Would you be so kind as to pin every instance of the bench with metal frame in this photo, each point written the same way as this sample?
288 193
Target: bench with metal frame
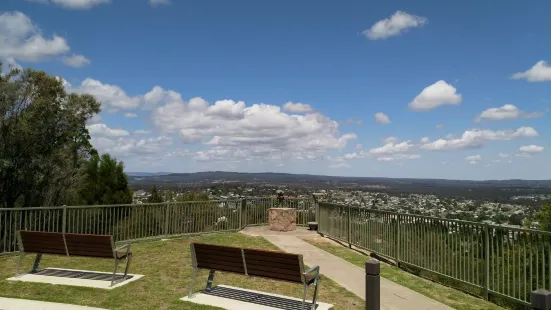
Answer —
84 245
259 263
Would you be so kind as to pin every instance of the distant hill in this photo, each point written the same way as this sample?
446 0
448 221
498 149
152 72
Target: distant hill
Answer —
270 177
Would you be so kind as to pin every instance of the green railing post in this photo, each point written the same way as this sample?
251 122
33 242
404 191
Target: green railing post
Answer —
486 261
242 208
349 227
167 219
397 244
64 220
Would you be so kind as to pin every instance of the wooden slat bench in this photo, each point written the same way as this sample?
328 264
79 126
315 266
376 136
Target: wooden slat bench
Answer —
86 245
259 263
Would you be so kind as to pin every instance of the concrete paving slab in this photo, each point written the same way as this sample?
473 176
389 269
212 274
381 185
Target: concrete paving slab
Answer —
24 304
75 277
234 298
347 275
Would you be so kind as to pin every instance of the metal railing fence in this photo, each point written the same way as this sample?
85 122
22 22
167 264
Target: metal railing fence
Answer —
494 260
146 221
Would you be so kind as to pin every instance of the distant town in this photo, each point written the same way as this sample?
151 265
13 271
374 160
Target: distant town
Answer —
516 209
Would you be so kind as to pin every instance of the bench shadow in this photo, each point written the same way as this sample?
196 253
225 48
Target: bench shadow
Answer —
257 298
77 274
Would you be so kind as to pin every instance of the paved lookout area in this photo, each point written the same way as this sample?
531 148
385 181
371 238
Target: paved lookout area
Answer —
24 304
347 275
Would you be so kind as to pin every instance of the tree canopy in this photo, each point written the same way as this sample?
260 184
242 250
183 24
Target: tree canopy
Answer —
46 157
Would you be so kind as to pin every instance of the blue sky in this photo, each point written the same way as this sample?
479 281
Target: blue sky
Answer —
427 89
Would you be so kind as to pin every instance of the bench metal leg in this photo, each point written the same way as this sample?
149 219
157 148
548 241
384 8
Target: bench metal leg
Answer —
128 261
304 297
192 284
36 263
114 272
19 262
315 299
210 280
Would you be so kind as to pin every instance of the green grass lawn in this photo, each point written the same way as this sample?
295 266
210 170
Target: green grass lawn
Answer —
446 295
167 269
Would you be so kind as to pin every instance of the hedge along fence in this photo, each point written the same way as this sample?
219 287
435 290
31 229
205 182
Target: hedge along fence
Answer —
498 262
147 221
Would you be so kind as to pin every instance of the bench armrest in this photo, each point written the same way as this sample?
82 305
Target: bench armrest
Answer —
122 247
316 270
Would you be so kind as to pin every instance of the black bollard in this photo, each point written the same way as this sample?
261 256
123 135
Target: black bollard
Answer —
372 285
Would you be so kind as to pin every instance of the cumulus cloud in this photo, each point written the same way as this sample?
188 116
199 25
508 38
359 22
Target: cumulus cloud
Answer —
104 131
76 61
475 138
130 115
382 118
21 39
297 107
128 146
398 157
425 140
474 158
352 121
390 140
339 165
540 72
505 112
392 148
73 4
531 148
142 132
397 24
233 130
434 96
112 97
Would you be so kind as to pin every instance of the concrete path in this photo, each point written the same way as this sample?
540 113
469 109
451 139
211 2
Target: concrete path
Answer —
24 304
349 276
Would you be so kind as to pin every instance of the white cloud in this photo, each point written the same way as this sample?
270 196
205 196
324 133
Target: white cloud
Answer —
159 2
73 4
234 130
392 148
94 120
473 162
339 165
130 115
20 39
425 140
142 132
101 130
382 118
359 147
112 97
531 148
390 140
127 147
352 121
478 137
440 126
474 158
297 107
398 157
398 23
505 112
435 95
76 61
540 72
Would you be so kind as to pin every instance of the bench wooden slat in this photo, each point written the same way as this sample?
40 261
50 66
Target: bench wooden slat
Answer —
219 257
43 242
274 275
89 245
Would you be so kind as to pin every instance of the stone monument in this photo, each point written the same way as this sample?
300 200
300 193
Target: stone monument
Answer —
282 219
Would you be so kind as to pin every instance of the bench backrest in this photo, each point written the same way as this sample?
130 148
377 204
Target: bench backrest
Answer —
42 242
217 257
268 264
274 265
67 244
89 245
